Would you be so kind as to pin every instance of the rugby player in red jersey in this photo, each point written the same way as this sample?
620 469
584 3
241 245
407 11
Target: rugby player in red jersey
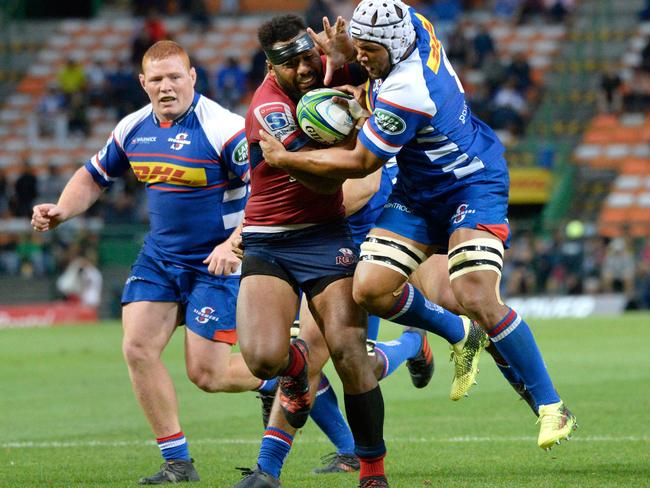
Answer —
296 238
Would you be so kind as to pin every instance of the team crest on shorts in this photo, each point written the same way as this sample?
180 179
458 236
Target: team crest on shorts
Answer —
347 257
205 314
461 212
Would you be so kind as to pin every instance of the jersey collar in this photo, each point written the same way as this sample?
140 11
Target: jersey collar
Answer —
179 119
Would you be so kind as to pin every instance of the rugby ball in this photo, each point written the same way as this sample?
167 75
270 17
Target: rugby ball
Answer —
321 119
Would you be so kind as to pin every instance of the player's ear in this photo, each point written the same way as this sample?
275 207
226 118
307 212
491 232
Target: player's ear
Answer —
142 81
193 75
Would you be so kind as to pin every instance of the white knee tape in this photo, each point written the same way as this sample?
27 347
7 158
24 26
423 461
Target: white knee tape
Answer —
392 253
475 255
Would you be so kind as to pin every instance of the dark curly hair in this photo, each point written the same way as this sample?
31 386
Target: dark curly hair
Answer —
280 28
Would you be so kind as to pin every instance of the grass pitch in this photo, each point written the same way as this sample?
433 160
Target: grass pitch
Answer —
68 417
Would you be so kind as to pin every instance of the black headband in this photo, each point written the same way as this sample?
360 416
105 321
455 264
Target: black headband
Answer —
282 54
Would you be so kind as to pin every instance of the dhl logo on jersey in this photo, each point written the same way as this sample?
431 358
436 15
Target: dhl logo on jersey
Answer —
161 172
434 55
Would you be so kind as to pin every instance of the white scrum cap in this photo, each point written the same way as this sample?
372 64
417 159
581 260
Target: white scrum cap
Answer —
386 22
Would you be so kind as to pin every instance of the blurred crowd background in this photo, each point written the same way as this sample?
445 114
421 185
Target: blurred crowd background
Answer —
566 83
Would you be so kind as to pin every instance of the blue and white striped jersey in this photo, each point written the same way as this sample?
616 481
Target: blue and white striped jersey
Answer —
420 115
196 174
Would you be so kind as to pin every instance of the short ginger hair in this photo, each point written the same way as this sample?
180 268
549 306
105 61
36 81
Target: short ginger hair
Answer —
163 50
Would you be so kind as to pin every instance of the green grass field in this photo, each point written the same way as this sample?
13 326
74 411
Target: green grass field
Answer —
68 417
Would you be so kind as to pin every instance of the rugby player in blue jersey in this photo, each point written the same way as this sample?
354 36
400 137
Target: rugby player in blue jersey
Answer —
192 156
451 194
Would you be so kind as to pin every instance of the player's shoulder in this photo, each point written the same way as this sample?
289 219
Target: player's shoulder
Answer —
272 110
130 122
405 87
211 113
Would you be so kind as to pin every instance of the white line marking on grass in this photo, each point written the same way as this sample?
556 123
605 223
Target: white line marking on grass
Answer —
396 440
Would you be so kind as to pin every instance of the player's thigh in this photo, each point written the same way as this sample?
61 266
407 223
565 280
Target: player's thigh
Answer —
266 308
342 321
311 333
475 262
204 355
387 264
432 279
148 326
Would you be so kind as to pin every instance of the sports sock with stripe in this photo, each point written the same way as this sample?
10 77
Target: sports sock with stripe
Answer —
174 447
414 310
515 342
396 352
275 447
328 416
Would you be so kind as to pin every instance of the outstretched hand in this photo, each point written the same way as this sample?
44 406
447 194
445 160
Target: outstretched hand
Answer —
335 43
272 149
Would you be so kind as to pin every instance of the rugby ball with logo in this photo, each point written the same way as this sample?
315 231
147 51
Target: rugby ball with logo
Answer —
323 120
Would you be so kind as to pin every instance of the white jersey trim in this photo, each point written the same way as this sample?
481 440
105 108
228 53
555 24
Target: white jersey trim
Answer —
273 229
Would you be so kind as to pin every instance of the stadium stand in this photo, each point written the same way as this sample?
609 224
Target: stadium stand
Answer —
592 165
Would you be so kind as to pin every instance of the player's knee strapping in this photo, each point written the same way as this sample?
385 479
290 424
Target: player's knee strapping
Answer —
475 255
392 253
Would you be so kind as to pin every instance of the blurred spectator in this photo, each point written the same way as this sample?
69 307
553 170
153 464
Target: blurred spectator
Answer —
506 9
644 13
483 45
139 46
643 275
619 268
519 69
645 56
258 69
202 85
458 50
230 83
96 84
229 7
78 123
9 260
52 184
559 10
4 194
25 191
610 95
530 10
72 77
155 27
316 10
33 255
511 108
81 282
636 92
494 72
50 120
199 15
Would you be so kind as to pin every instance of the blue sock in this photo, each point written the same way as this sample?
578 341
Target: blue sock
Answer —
373 327
174 447
267 386
275 447
413 310
396 352
329 418
514 340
